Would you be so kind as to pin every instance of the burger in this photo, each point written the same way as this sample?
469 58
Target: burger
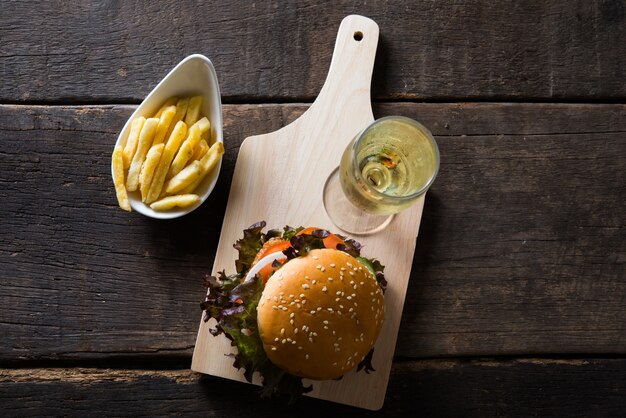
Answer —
303 303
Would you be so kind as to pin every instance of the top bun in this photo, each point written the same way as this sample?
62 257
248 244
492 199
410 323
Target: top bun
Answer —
319 315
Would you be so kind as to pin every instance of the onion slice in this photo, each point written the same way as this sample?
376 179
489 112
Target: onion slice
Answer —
264 262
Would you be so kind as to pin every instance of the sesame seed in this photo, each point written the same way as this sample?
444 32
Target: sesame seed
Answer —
329 310
335 363
305 286
351 273
350 310
313 311
295 331
355 269
282 331
337 299
325 326
283 308
343 269
336 344
319 308
349 297
351 281
319 266
332 264
311 339
291 296
325 322
274 349
267 298
304 301
276 339
324 289
306 356
330 279
291 321
314 334
314 281
275 298
283 341
298 305
341 306
349 264
292 303
300 347
354 287
274 307
362 283
315 257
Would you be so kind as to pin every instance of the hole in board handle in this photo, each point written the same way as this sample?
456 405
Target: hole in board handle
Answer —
358 35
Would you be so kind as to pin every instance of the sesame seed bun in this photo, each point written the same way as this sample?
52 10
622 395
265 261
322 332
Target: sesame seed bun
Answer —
319 315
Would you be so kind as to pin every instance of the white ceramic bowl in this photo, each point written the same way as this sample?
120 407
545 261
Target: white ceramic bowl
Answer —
193 76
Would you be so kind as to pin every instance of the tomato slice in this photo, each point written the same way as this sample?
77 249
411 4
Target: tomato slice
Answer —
266 271
331 241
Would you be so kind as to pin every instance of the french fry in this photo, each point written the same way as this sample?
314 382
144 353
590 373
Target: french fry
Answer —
145 141
193 112
164 124
131 141
187 176
148 168
181 200
187 148
172 145
117 161
206 136
181 111
169 102
200 150
208 163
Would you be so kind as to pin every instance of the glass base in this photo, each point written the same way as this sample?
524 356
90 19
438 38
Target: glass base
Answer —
345 215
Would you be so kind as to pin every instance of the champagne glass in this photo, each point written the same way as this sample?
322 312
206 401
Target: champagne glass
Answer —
384 170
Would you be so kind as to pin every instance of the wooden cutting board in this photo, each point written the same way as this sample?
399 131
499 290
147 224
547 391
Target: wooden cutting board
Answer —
279 177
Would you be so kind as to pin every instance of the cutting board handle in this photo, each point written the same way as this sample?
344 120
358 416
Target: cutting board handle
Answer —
347 86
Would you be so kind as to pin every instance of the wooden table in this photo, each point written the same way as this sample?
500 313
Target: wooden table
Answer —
517 299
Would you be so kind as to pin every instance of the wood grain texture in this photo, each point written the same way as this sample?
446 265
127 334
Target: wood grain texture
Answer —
433 388
91 52
522 247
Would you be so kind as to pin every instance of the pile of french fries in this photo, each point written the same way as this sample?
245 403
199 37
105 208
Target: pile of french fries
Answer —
166 156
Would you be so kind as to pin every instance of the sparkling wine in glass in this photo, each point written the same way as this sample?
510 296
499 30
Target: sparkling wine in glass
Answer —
383 170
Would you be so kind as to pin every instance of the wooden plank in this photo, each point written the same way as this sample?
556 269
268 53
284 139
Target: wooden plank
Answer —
434 388
522 247
117 51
